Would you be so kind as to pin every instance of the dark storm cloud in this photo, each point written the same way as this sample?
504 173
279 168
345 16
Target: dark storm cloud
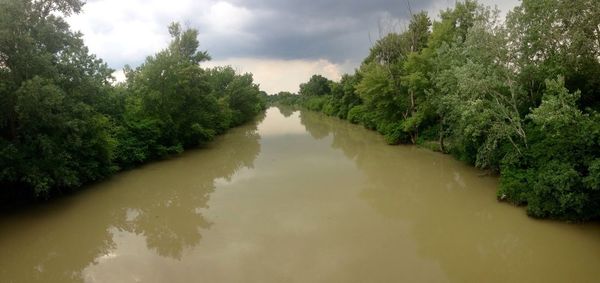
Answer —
337 30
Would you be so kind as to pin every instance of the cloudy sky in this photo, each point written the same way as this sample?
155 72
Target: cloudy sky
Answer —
281 42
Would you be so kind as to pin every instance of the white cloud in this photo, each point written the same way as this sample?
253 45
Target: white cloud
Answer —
224 17
119 76
275 75
125 32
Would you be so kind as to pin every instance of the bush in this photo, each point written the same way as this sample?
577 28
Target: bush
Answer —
315 103
355 115
331 108
393 132
557 193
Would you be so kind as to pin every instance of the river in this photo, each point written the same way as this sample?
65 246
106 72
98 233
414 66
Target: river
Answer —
294 197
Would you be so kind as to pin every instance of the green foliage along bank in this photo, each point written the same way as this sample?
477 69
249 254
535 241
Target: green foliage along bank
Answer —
64 124
520 96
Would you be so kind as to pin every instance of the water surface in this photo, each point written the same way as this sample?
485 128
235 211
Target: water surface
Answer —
294 197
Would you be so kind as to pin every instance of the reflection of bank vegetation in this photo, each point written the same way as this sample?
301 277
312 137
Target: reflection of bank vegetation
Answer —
448 208
147 203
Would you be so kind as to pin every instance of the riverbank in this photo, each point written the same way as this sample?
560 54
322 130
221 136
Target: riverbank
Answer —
21 198
294 192
433 145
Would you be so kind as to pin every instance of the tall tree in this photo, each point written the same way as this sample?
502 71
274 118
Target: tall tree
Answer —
558 37
316 86
51 135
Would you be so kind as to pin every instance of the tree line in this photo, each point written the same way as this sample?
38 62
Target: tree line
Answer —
519 96
65 123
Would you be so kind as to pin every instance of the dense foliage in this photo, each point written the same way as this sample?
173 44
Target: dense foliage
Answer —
64 124
519 96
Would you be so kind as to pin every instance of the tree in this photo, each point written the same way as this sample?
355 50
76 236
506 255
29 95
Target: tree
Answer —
344 96
53 137
173 95
239 92
418 31
558 37
558 175
316 86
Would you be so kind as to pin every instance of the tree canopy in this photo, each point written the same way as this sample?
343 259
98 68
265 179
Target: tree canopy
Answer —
64 124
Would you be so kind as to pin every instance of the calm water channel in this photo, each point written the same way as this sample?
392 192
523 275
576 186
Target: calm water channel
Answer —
294 197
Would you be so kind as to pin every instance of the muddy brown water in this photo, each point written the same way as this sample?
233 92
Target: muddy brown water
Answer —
294 197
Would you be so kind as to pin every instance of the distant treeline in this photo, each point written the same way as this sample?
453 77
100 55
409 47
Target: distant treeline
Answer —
519 96
63 124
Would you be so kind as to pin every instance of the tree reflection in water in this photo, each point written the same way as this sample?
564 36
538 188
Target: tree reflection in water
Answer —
160 203
454 217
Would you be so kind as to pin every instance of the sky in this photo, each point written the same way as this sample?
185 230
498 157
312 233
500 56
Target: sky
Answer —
282 42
